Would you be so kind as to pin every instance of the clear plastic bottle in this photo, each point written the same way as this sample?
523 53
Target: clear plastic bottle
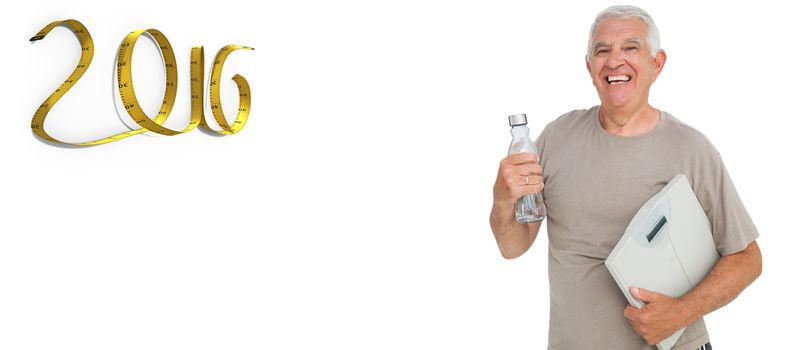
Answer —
529 208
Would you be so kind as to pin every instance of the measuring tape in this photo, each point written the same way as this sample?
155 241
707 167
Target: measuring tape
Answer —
129 98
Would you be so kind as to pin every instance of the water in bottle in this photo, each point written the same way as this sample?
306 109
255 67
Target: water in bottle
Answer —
529 208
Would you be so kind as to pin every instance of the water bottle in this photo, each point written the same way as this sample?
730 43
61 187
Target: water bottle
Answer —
529 208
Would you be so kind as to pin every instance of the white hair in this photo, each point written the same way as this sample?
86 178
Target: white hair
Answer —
625 12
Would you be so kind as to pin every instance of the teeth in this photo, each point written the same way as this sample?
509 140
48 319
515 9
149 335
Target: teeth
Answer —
618 79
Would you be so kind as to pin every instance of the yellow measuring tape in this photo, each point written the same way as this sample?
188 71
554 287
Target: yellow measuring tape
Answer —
129 98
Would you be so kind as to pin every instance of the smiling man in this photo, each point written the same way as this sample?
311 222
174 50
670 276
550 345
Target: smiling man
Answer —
596 169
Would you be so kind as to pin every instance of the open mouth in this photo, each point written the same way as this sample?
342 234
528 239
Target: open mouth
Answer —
618 79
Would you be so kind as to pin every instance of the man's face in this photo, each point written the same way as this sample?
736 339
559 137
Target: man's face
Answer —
620 64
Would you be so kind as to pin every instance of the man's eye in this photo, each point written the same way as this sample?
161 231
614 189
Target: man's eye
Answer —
602 51
631 48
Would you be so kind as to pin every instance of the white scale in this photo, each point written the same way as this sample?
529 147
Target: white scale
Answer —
667 247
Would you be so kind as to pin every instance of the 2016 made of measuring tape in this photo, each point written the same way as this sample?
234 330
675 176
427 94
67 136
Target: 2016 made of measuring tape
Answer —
129 98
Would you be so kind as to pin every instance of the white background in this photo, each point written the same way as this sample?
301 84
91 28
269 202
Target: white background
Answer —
351 212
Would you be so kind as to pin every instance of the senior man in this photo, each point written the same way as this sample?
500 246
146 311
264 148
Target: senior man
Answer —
596 169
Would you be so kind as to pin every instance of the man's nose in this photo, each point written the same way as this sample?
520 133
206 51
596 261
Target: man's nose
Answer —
615 59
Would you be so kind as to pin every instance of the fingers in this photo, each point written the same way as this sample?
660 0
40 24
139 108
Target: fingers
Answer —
522 158
532 179
531 189
635 291
644 295
528 169
518 175
637 318
630 313
641 322
658 319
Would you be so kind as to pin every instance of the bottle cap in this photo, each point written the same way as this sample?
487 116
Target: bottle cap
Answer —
518 119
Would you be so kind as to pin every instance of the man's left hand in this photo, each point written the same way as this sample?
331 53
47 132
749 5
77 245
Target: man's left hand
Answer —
659 318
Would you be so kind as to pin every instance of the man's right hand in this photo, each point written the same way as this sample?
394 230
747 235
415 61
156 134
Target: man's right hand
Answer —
518 175
513 238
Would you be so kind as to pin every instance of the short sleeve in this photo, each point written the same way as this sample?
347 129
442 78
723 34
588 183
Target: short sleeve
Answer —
732 227
540 143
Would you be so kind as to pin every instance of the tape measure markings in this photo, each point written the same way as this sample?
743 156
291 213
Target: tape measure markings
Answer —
244 95
126 86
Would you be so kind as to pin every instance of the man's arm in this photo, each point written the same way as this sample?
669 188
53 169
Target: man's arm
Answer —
513 238
730 276
663 315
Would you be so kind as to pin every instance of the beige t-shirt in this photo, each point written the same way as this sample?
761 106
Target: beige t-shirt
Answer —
594 184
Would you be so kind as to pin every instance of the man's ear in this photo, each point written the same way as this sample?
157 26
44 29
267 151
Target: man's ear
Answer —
588 65
659 62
